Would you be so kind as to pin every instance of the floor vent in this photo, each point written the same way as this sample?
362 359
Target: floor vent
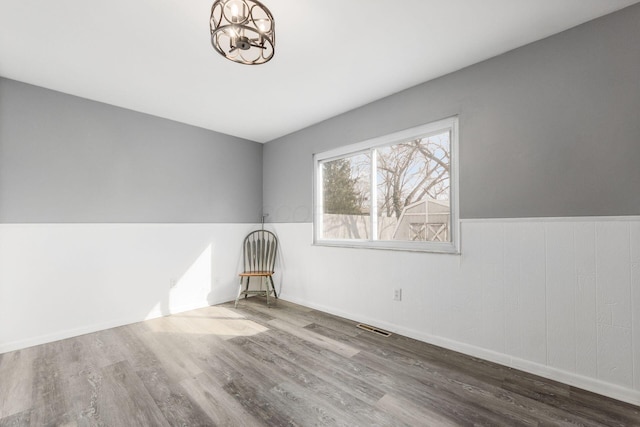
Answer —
373 329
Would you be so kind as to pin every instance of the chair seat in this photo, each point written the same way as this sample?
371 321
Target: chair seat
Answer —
256 273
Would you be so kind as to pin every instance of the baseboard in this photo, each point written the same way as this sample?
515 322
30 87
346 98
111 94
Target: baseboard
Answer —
586 383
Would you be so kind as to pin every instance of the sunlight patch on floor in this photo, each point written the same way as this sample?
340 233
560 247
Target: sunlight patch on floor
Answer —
219 321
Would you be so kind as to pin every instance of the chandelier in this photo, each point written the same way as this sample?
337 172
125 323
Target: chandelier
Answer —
242 31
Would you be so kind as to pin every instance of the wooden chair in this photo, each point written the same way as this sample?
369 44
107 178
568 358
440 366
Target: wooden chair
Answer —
259 258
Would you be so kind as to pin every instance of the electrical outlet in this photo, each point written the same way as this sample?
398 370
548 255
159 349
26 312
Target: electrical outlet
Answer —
173 282
397 294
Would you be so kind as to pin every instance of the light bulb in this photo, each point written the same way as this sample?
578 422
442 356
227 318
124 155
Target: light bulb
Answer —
237 10
262 25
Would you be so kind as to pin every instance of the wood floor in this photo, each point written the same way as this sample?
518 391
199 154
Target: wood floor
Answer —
283 366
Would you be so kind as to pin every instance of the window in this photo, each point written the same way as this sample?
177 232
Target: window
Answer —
398 191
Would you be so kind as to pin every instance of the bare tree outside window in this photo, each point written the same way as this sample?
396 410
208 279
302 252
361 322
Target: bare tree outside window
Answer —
409 175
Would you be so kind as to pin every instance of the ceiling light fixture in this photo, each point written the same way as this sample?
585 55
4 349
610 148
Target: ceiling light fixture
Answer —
242 31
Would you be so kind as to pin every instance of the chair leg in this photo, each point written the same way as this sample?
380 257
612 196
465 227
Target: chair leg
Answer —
246 287
239 293
273 287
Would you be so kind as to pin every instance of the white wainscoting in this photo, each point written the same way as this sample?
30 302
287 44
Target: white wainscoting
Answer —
556 297
63 280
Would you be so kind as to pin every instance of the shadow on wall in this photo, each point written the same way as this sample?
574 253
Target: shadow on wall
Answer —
200 278
210 279
204 275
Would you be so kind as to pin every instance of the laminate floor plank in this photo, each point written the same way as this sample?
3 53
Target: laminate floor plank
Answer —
221 408
173 360
596 407
16 381
410 414
351 338
311 409
103 347
442 400
325 394
300 405
260 302
316 339
16 420
341 372
289 312
339 324
253 393
80 363
50 393
259 316
280 312
411 352
124 400
172 399
283 365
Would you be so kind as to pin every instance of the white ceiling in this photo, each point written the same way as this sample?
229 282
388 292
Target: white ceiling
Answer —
155 56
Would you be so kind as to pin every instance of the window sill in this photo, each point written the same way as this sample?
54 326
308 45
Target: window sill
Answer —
447 249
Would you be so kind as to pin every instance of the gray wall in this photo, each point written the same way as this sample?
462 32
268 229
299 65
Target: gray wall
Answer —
68 159
549 129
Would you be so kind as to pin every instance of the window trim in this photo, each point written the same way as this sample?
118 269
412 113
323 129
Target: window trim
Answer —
422 131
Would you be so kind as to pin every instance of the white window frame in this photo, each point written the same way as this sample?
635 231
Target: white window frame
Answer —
453 247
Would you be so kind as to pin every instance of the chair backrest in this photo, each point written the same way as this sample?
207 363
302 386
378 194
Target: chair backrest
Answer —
259 251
